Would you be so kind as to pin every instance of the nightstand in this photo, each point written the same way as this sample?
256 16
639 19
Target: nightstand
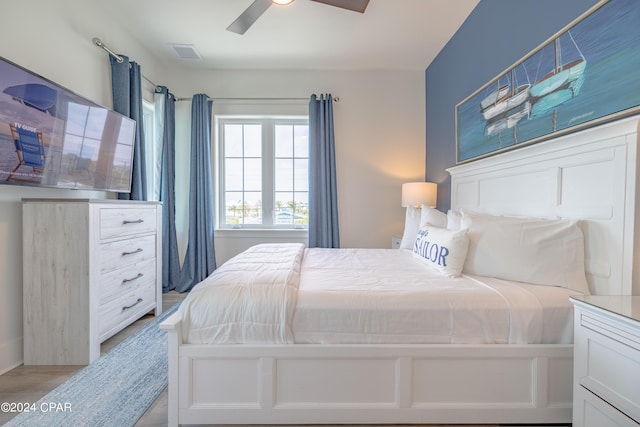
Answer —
606 374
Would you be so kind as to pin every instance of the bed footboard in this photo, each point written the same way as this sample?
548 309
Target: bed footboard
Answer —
174 340
367 384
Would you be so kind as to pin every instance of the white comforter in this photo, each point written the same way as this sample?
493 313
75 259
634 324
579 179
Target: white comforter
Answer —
285 294
250 299
386 296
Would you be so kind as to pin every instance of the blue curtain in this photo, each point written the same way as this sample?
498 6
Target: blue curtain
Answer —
200 259
323 196
126 86
170 257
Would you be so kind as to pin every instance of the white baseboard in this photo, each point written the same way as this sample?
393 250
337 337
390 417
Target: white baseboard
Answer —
10 355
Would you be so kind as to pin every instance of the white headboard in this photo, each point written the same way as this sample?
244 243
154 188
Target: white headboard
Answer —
589 175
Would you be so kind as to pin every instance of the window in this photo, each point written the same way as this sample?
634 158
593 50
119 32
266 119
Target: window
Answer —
264 172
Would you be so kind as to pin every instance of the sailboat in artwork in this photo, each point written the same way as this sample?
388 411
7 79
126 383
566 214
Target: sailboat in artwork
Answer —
561 84
516 97
507 111
510 103
493 97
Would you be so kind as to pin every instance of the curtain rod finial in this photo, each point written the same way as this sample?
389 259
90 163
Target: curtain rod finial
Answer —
101 45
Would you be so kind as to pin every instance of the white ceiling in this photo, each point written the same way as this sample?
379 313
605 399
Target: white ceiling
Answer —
391 34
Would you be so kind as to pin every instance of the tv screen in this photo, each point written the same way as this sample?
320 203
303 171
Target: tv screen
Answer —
49 136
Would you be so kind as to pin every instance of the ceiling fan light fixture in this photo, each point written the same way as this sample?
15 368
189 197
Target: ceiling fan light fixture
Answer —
282 2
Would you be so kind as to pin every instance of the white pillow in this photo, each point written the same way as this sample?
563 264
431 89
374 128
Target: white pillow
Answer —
453 219
416 217
539 251
411 226
442 249
432 216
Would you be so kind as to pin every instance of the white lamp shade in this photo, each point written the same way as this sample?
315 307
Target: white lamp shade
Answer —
417 194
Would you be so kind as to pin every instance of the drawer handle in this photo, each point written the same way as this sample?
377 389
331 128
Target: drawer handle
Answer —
137 221
127 307
132 252
132 279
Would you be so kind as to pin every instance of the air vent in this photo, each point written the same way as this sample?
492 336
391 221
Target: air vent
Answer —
185 51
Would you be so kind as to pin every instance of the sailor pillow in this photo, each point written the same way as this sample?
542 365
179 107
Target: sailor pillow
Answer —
442 249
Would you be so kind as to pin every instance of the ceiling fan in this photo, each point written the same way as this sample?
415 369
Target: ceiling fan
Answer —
258 7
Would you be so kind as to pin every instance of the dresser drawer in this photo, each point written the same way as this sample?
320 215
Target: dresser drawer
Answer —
611 367
125 308
121 222
123 253
591 411
123 280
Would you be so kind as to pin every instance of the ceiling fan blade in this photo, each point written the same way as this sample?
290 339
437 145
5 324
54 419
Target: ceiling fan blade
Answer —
249 16
355 5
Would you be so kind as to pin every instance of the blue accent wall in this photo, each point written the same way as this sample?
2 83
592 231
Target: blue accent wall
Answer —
496 34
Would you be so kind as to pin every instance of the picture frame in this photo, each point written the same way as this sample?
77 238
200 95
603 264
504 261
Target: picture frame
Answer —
584 75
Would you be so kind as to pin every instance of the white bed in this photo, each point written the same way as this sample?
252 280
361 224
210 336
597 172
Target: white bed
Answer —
371 378
366 296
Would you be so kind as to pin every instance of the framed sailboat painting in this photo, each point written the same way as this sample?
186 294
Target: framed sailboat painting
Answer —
586 74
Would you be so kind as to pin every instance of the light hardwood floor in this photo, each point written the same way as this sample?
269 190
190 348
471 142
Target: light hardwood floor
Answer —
30 383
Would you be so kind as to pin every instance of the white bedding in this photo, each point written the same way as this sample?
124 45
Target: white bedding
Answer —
250 299
391 296
285 294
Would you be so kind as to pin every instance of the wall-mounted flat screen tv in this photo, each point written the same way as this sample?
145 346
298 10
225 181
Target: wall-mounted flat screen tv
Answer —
51 137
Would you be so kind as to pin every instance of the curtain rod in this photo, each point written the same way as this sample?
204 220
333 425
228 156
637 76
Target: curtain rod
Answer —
147 79
101 45
118 58
335 99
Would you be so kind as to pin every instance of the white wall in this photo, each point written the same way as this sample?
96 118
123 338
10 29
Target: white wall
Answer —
379 130
55 43
380 127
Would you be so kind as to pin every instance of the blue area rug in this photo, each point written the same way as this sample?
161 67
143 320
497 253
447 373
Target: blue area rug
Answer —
114 390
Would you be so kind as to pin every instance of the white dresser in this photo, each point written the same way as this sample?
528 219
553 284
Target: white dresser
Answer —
606 361
90 268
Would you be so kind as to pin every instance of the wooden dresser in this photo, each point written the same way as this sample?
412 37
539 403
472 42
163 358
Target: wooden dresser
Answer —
606 361
90 268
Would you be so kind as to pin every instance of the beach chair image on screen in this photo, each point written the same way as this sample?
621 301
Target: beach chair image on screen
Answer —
29 148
